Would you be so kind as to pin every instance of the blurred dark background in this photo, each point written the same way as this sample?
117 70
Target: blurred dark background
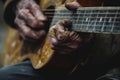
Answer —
3 27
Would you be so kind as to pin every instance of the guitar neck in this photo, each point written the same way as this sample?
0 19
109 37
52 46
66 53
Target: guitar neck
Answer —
91 19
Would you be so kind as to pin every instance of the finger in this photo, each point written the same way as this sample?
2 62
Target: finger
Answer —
72 5
52 37
22 4
61 28
75 36
22 36
25 29
63 50
36 11
59 32
73 45
40 33
65 47
65 23
59 51
40 36
29 18
53 42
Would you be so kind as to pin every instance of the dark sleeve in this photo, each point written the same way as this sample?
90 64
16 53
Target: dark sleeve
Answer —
111 2
3 0
9 12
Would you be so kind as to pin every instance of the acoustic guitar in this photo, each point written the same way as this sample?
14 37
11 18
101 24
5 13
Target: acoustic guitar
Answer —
85 19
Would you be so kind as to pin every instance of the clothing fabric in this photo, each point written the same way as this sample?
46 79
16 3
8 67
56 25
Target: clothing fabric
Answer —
25 71
21 71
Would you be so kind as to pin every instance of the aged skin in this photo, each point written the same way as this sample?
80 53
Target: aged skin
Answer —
29 17
63 41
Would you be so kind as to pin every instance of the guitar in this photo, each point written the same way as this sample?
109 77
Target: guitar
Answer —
86 19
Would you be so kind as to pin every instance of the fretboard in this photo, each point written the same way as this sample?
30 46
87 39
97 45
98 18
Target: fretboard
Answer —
91 19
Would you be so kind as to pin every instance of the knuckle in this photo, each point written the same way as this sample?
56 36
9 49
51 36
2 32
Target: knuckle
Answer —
52 47
20 12
33 24
16 20
52 29
42 32
23 12
54 43
36 6
60 37
41 24
26 32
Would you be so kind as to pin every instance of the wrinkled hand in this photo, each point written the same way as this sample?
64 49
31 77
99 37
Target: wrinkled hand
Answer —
30 20
64 41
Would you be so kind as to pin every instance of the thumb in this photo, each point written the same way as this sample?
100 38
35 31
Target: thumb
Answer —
72 5
62 28
63 25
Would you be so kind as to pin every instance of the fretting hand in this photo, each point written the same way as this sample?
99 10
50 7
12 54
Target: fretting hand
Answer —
63 41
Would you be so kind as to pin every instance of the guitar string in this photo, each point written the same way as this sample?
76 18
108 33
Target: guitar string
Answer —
114 22
106 26
85 13
83 20
86 8
111 19
78 25
59 17
93 14
110 9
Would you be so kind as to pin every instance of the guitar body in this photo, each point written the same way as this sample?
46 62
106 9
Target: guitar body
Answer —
13 45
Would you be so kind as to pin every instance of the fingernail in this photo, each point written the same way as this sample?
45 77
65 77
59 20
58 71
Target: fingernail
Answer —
35 36
54 41
42 18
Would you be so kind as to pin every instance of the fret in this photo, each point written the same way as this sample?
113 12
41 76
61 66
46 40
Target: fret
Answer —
82 19
78 21
103 29
87 19
74 14
79 30
118 16
91 19
116 26
117 21
95 23
65 14
109 21
91 24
